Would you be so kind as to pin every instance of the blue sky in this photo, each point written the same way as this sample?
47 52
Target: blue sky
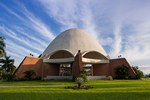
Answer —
122 27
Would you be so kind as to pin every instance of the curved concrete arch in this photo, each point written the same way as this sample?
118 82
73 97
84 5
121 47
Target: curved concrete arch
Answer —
49 56
92 51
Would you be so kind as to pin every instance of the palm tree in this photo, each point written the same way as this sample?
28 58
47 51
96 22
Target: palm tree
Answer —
6 62
11 68
2 46
1 71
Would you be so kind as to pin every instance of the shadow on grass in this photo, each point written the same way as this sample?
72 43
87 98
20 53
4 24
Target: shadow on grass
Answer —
75 96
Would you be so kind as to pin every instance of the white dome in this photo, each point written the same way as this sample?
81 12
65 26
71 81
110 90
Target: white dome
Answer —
73 40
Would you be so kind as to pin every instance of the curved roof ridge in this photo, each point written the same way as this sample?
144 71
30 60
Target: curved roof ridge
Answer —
73 40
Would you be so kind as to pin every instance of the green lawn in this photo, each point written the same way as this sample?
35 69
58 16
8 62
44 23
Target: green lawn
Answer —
103 90
33 83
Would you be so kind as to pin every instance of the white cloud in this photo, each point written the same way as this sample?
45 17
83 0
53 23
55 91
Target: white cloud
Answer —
19 50
38 25
22 40
12 12
145 69
32 22
71 14
21 31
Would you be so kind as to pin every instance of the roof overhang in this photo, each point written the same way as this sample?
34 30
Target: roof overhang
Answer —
94 61
58 61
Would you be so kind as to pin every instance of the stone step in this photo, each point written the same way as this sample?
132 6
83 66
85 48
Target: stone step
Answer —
70 77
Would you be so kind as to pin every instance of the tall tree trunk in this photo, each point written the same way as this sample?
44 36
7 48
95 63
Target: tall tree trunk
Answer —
5 70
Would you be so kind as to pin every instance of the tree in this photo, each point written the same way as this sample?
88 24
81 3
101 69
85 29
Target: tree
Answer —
2 46
29 74
6 62
84 75
139 73
1 71
11 68
121 71
79 81
85 72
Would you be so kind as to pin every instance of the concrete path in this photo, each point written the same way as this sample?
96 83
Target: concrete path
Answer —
146 79
34 85
1 80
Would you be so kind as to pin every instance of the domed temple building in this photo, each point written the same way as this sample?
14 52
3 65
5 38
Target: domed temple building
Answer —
69 54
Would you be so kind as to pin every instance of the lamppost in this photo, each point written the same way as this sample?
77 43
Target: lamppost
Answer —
119 56
31 55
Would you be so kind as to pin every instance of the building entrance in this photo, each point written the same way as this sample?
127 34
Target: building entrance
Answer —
65 70
88 68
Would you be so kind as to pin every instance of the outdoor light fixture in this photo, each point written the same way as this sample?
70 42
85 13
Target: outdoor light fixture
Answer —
31 54
119 56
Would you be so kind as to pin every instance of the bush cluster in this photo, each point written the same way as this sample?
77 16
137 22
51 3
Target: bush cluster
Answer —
139 73
79 81
83 75
28 76
121 72
26 79
8 77
110 78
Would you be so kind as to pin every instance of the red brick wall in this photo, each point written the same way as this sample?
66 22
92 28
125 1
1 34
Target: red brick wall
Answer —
36 64
50 70
29 63
119 62
45 69
108 69
101 70
77 65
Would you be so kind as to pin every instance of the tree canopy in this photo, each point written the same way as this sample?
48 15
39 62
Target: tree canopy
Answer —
7 64
2 46
139 73
121 71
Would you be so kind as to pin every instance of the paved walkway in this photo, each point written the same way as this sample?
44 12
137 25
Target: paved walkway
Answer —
1 80
146 79
34 85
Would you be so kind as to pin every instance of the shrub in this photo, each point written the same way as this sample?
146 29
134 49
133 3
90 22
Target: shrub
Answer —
23 79
79 81
74 78
85 72
8 77
4 76
43 79
131 77
84 77
126 77
139 73
38 78
121 71
19 79
29 74
110 78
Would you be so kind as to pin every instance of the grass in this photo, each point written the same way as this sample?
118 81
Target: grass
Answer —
34 83
103 90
